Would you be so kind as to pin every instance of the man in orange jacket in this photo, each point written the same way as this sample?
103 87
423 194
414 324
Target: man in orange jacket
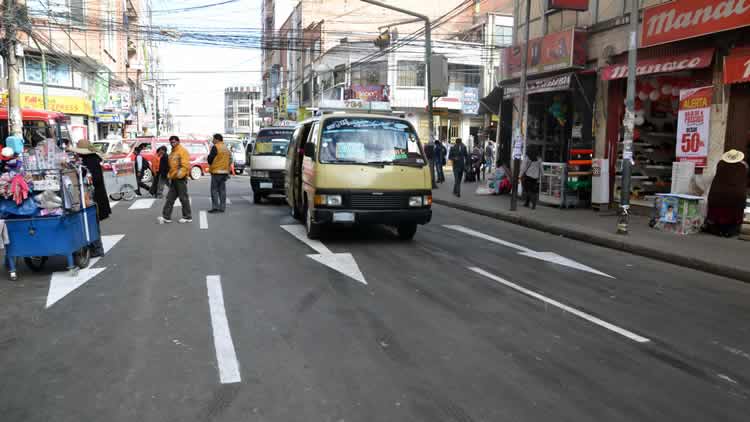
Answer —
179 170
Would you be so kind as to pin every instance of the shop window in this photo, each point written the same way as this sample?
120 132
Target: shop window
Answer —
58 72
460 76
411 73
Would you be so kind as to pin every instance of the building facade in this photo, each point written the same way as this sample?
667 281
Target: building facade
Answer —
96 59
240 114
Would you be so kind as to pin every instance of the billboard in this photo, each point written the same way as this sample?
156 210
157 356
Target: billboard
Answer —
561 50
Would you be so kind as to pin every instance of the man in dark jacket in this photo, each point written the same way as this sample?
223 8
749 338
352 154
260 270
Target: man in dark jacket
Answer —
429 152
460 158
440 153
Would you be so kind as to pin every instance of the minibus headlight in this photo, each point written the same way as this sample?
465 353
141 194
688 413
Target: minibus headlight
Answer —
328 200
416 201
259 173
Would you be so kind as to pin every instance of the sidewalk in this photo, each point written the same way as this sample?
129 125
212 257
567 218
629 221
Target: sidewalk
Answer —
703 252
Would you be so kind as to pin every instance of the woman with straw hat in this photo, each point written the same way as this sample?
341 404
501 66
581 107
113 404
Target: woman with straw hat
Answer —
92 161
728 195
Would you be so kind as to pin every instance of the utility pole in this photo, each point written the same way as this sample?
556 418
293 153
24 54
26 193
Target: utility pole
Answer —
628 123
427 56
252 112
15 121
521 112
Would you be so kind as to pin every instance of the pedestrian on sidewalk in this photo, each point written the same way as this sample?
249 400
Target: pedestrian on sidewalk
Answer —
459 157
179 169
727 197
489 154
220 161
160 169
476 163
429 152
141 165
531 171
440 153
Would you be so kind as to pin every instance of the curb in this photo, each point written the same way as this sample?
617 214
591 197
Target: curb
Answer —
608 242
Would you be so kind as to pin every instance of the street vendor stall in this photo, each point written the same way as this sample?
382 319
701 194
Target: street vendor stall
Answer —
46 208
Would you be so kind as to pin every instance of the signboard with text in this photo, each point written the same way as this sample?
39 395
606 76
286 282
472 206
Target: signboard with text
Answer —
470 103
693 60
737 66
59 103
561 50
368 93
679 20
693 121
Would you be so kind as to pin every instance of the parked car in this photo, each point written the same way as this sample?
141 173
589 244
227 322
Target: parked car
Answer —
110 145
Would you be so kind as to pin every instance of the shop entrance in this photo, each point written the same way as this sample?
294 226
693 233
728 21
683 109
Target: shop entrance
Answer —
738 121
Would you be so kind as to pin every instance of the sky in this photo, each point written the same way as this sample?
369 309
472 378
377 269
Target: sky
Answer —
198 98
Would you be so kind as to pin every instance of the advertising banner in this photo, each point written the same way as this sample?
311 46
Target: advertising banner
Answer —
378 93
679 20
737 66
470 100
693 121
561 50
59 103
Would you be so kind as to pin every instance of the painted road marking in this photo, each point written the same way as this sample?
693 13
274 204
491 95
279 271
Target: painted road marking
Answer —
203 220
226 357
178 204
229 201
113 204
576 312
341 262
142 204
543 256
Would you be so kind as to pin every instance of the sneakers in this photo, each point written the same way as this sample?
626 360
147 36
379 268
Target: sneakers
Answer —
185 220
214 211
162 220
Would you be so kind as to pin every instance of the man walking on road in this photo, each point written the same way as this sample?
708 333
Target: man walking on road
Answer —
179 169
220 160
460 158
429 152
440 153
141 165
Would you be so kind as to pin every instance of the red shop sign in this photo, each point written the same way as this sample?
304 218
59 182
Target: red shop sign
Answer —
561 50
696 60
683 19
581 5
737 66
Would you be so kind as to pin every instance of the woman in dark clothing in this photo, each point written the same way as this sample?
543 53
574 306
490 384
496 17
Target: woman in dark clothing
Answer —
727 197
92 161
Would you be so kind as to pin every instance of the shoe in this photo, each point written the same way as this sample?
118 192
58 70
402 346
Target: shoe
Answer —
220 211
212 211
162 220
185 220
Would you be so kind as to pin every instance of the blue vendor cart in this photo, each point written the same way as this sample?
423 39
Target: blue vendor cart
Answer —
35 239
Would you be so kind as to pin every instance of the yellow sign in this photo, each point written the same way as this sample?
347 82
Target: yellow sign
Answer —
60 103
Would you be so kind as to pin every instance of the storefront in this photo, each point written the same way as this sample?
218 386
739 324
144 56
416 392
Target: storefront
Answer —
737 77
661 80
77 108
559 115
109 125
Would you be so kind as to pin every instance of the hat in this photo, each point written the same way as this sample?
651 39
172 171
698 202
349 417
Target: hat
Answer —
84 147
6 154
733 156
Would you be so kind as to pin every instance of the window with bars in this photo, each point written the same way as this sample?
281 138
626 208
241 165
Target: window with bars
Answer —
460 76
411 73
370 74
71 12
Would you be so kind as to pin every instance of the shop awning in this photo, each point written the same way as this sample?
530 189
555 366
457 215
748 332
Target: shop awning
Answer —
491 103
538 86
694 60
737 66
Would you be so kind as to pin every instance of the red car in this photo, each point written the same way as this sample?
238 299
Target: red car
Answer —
198 150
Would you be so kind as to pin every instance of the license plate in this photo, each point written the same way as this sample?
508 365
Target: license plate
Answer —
266 185
343 217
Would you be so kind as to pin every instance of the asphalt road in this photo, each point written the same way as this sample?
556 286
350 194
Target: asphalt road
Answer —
235 322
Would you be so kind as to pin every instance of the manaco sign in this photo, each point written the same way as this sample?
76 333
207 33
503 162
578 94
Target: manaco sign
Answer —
695 60
683 19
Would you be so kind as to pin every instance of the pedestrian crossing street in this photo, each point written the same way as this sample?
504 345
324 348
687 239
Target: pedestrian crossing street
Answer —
148 203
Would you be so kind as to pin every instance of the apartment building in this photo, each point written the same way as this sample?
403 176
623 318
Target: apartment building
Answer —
96 59
240 114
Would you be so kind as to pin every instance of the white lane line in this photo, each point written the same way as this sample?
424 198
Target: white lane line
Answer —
487 237
203 220
229 367
142 204
113 204
298 231
566 308
229 201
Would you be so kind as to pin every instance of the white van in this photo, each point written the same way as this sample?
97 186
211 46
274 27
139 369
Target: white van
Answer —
268 162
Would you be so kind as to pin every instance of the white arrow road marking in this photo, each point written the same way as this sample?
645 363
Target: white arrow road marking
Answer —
229 367
113 204
203 220
178 204
544 256
142 204
566 308
64 282
341 262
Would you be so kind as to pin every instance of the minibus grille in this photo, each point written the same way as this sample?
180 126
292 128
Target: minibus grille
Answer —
385 201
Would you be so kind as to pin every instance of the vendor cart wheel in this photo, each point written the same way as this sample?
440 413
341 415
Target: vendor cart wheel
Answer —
82 257
115 196
35 263
127 192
